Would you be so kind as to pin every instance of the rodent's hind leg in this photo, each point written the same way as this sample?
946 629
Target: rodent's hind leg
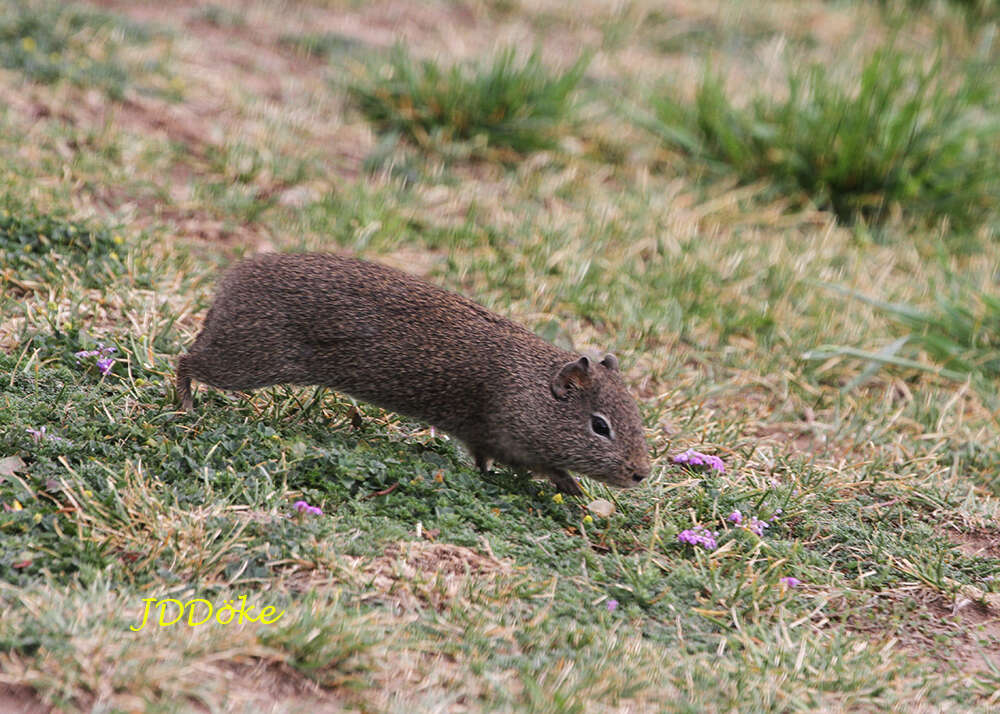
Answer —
183 384
483 462
565 483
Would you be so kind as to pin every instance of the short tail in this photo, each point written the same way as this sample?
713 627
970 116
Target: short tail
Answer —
183 383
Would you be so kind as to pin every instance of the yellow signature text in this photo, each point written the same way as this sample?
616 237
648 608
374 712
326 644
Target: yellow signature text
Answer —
201 608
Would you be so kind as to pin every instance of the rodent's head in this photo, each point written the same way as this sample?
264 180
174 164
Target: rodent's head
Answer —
602 436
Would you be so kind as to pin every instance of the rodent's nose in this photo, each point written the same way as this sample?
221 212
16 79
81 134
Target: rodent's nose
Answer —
639 471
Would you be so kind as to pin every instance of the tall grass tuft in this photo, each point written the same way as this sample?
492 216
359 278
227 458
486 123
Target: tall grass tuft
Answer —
506 103
322 45
906 135
974 9
960 334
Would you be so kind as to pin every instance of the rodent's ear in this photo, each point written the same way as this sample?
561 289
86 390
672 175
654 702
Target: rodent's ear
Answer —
610 361
571 375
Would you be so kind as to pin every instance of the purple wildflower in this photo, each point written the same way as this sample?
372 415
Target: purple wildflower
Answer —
776 515
790 582
303 507
38 435
612 605
757 526
696 458
751 523
699 535
103 354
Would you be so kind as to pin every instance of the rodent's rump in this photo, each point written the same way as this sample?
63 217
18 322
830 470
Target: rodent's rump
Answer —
394 340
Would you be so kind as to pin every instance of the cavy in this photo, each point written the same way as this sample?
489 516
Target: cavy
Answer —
391 339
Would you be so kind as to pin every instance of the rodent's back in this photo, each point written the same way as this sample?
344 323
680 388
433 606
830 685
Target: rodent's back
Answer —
376 333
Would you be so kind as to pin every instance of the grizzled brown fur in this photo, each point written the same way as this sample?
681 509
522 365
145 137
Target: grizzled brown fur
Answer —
388 338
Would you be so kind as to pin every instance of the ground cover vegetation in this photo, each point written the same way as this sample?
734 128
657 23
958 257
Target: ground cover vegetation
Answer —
507 103
781 216
900 135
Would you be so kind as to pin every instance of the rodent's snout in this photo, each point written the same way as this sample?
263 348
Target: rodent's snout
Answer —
632 475
638 472
629 475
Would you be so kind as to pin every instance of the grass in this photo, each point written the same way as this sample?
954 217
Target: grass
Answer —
219 16
50 42
41 249
424 585
907 136
506 103
960 334
322 45
974 9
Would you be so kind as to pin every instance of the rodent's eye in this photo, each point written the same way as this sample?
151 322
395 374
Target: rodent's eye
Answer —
600 426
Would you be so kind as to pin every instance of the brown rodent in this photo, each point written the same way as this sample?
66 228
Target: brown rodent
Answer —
391 339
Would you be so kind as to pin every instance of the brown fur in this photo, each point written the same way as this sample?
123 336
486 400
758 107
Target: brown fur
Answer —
391 339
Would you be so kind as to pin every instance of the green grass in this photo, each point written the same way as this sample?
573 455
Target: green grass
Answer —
219 16
424 585
42 249
506 103
155 501
960 334
981 10
904 135
322 45
50 42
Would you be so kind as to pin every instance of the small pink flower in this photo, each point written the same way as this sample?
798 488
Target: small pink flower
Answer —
38 435
303 507
612 605
789 581
104 364
757 527
699 535
103 354
751 523
696 458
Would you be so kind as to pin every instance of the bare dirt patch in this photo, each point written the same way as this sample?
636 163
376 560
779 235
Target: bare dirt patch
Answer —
978 645
962 633
410 575
799 436
980 544
225 66
961 630
21 700
415 574
265 687
239 86
416 262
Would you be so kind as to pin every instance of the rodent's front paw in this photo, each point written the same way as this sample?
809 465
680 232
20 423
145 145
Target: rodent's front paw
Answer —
566 483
